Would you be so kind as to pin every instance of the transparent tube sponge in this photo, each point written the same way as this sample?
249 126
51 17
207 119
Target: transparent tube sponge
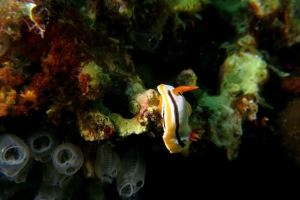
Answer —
142 41
52 177
14 155
74 184
107 162
132 174
42 144
134 197
22 175
48 192
67 159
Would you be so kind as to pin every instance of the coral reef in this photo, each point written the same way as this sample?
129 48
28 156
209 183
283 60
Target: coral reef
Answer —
92 80
13 12
264 8
95 126
79 104
242 74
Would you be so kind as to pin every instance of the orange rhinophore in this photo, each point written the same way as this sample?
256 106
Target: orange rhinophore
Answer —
175 111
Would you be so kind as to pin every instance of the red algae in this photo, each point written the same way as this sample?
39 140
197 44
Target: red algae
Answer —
83 80
7 78
108 131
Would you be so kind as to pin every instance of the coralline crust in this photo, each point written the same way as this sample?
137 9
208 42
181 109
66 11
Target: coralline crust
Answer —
95 126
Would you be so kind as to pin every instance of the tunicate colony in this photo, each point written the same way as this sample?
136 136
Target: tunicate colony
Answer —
60 162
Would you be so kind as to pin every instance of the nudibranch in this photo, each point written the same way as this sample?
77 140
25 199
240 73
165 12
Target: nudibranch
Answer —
175 112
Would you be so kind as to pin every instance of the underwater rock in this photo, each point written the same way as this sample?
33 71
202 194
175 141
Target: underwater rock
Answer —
100 122
148 101
187 78
227 129
125 127
134 87
223 126
36 16
92 80
291 27
243 71
120 8
95 126
247 107
192 6
8 78
273 16
148 114
236 13
13 100
242 74
8 99
264 8
82 59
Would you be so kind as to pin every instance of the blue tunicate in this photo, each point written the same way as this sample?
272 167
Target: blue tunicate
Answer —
74 184
107 162
42 144
14 155
52 177
48 192
67 159
132 174
22 174
141 41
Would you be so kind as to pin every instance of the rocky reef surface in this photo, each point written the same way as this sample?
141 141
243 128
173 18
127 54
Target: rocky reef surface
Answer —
80 114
